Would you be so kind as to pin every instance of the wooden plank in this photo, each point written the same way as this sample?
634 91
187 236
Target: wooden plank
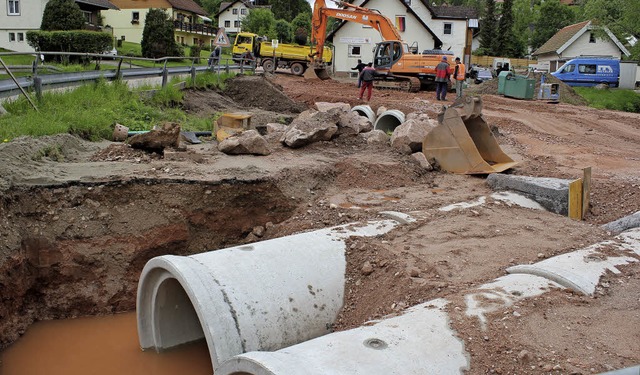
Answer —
586 190
575 199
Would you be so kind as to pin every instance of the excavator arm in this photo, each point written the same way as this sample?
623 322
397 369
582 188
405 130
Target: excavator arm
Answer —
352 13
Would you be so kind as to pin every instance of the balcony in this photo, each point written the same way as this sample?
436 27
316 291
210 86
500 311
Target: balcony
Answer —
194 28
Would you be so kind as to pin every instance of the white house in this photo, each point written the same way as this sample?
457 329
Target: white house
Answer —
575 40
231 14
421 25
20 16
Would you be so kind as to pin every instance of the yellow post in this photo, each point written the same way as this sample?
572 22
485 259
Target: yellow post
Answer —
575 199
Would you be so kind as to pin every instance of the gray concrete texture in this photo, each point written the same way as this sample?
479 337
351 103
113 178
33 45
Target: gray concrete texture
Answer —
551 193
622 224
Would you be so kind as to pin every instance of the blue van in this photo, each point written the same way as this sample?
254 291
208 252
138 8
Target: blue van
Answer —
589 71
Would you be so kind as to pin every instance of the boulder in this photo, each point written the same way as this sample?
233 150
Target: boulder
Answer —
310 127
422 160
376 137
158 139
352 123
326 106
381 110
409 136
247 142
275 127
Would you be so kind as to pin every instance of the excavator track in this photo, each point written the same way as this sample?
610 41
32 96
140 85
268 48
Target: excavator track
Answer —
402 83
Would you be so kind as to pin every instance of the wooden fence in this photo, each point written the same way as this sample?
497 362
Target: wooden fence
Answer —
487 61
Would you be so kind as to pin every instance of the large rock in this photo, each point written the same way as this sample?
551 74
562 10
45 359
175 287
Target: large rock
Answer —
276 127
376 137
409 136
158 139
422 161
311 127
352 123
247 142
326 106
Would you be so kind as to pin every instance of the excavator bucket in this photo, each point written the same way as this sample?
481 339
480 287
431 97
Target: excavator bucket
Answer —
463 143
317 71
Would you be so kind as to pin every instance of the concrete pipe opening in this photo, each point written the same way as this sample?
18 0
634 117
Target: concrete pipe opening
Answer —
366 111
389 121
176 318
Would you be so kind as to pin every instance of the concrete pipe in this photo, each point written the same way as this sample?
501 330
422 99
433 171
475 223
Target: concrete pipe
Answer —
366 111
416 342
257 297
389 120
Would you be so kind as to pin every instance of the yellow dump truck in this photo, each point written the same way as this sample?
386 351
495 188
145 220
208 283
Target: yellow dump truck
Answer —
287 56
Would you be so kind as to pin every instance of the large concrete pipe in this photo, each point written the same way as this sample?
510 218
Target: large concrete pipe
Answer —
389 120
417 342
262 296
366 111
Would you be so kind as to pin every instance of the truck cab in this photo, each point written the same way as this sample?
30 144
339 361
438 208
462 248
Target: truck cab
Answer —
244 43
589 72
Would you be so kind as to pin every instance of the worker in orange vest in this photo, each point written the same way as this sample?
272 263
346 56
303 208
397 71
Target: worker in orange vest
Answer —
459 73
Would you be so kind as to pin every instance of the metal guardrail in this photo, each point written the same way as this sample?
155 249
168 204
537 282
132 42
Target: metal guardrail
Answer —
37 82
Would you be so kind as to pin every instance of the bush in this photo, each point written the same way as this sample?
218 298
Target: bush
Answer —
70 41
62 15
158 39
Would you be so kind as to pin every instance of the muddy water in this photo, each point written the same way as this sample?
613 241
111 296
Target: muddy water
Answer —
97 346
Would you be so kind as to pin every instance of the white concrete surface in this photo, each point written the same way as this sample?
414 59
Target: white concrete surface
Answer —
416 342
261 296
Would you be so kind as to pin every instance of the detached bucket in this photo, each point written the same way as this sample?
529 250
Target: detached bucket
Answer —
389 120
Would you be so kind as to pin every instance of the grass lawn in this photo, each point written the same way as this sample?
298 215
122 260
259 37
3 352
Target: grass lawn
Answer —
616 99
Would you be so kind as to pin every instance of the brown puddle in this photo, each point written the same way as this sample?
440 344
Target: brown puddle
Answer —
97 346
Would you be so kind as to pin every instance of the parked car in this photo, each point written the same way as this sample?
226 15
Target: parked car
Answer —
482 75
589 72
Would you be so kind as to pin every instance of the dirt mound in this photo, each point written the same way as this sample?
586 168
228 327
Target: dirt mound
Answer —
259 92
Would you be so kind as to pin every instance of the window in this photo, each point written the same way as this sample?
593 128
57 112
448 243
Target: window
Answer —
567 68
592 38
448 28
20 37
236 24
400 23
243 11
135 17
234 11
87 16
12 37
14 8
587 68
227 23
354 51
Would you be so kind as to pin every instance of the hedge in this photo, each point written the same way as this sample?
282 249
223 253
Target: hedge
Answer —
70 41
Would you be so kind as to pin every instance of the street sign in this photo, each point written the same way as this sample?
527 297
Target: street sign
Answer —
274 43
221 39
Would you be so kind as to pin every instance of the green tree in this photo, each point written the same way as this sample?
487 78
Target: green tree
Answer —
552 17
62 15
261 22
488 29
506 42
158 39
619 16
301 26
523 17
283 31
289 9
211 6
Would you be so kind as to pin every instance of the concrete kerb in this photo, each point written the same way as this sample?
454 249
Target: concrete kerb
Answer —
234 299
551 193
622 224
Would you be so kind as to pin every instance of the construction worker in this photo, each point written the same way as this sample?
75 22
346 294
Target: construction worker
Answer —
367 75
359 68
458 76
443 72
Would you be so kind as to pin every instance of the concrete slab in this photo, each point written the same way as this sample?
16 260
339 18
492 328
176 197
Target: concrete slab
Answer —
551 193
622 224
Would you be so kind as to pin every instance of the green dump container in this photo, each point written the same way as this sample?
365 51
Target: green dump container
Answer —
502 80
519 87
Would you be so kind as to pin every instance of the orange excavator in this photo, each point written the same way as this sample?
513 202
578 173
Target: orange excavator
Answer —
395 66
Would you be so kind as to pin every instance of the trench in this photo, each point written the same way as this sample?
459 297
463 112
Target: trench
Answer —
77 250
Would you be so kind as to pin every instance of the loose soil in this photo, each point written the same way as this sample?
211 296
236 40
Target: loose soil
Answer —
79 220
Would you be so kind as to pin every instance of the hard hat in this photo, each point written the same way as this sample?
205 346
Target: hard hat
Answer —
444 58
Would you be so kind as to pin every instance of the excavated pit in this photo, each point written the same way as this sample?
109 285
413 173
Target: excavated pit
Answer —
82 247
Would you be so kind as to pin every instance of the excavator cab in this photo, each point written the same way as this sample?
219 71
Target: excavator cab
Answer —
387 53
